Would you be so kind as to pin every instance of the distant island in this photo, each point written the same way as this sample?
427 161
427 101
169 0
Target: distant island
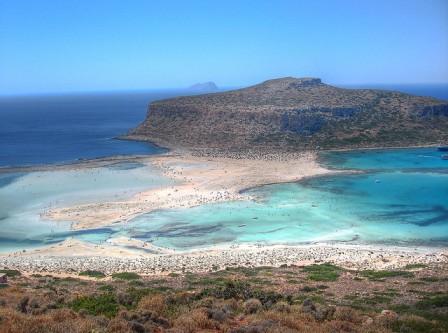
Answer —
293 114
204 87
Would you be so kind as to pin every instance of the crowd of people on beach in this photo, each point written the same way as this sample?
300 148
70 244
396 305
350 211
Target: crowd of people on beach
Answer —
250 154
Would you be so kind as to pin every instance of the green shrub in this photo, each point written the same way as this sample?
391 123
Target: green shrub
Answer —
230 289
378 275
94 274
107 287
433 302
414 324
307 289
126 276
136 294
323 272
414 266
241 290
10 272
105 304
136 283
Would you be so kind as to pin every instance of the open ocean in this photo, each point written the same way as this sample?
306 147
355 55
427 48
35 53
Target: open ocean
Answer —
38 130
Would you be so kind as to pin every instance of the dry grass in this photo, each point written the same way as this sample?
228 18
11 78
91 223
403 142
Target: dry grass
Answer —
194 321
58 321
154 303
243 305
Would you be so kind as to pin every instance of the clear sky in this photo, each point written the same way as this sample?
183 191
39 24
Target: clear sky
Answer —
88 45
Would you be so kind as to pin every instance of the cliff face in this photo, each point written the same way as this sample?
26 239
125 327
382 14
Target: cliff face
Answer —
292 113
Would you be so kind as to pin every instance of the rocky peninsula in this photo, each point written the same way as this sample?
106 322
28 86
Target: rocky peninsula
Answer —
295 114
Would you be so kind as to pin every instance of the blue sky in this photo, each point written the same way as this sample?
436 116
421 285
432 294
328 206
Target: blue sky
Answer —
89 45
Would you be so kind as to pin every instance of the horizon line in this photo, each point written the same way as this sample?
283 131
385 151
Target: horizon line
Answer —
188 89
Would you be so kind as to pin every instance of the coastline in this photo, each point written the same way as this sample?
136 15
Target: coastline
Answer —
78 164
106 160
109 258
200 180
430 145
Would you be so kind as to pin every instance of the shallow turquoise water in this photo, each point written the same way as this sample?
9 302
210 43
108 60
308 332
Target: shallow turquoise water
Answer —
401 198
370 208
24 196
385 159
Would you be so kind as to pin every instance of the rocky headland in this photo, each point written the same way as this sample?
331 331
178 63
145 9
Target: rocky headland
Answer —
295 114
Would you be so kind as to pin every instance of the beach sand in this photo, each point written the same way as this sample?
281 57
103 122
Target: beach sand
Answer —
199 180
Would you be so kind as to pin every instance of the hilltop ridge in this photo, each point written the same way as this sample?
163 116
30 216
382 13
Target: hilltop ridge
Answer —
293 114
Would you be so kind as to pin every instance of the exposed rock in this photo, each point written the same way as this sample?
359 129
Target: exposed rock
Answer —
137 327
292 114
282 307
218 314
367 321
308 306
389 314
319 312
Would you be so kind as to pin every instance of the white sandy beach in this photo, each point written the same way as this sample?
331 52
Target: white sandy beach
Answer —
199 179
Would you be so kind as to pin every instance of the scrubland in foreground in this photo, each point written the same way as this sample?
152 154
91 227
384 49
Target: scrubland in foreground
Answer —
316 298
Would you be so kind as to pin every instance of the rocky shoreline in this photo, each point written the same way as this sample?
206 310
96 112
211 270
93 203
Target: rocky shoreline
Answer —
348 256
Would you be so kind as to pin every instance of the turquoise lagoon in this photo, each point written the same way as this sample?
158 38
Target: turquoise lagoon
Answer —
386 159
24 196
406 208
400 198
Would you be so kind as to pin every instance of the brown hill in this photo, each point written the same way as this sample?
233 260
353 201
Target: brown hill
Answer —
291 113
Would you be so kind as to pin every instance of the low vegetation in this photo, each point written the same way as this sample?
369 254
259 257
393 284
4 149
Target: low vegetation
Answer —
379 275
321 298
415 266
126 276
93 274
10 272
105 304
324 272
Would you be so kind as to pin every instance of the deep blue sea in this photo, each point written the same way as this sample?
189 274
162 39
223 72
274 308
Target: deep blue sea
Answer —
64 128
437 90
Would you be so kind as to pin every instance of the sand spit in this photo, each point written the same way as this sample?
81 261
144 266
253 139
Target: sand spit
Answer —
200 179
74 256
